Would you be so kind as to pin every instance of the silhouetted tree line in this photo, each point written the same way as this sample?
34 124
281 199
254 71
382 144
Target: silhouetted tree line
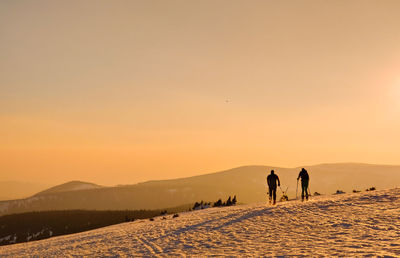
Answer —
201 205
228 202
24 227
219 203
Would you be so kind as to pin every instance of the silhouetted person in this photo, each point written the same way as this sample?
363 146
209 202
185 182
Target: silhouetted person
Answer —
304 183
271 180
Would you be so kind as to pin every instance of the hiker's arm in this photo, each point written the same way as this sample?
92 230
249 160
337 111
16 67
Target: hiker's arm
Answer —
279 182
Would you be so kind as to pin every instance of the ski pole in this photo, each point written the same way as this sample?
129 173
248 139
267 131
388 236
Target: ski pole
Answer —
297 186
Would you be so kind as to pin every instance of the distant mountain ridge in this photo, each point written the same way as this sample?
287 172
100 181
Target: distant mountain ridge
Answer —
248 183
69 186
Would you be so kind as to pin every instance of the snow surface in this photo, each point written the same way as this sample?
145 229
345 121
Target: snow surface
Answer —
346 225
83 186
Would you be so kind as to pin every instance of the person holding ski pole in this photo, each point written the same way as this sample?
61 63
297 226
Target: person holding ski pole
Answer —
271 180
304 183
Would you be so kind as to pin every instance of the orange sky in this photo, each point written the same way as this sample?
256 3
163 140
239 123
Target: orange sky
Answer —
125 91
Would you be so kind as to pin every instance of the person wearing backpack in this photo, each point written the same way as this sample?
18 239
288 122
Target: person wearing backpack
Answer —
305 179
271 180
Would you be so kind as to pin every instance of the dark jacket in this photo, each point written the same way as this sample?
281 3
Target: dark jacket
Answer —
271 180
303 175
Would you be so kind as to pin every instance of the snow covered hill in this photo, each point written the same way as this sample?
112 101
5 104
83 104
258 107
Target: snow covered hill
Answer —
357 224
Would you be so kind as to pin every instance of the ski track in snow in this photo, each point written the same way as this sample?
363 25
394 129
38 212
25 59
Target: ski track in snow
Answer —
362 224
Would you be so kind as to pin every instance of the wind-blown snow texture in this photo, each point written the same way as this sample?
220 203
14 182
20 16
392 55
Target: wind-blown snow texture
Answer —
349 224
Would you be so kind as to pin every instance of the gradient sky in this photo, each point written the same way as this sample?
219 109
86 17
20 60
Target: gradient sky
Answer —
117 92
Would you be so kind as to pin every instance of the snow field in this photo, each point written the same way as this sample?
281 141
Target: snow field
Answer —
360 224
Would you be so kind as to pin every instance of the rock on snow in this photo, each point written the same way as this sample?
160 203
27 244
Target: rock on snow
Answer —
350 225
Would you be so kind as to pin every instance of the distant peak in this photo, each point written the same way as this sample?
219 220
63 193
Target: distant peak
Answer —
73 185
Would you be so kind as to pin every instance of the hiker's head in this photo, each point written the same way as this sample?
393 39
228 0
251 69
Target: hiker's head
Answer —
304 170
272 172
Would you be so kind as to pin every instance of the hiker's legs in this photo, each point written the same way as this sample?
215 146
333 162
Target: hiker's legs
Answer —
304 189
270 194
274 192
307 191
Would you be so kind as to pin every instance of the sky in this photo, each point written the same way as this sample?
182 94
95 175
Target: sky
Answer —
119 92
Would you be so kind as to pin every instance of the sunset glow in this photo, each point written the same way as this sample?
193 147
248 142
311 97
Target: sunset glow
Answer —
137 91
